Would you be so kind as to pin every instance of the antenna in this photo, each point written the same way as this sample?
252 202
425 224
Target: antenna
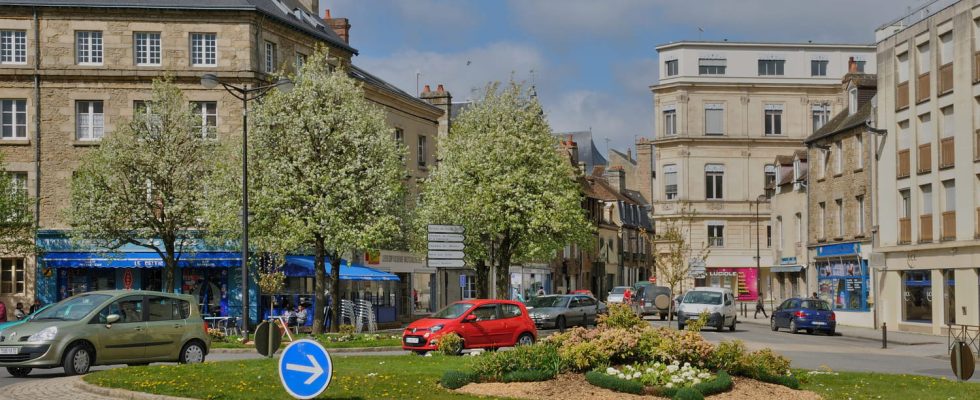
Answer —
700 31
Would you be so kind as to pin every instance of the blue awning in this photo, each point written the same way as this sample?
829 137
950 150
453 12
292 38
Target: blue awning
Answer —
302 266
138 260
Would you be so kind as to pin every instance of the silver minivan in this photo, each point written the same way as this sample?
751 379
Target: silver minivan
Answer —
718 302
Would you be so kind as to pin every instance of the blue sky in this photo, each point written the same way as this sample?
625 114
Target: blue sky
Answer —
592 60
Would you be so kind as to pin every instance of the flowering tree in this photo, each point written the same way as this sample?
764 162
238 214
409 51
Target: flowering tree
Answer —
324 172
501 177
673 252
16 218
141 185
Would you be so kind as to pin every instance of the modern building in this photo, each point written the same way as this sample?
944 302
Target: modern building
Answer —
788 274
928 194
724 111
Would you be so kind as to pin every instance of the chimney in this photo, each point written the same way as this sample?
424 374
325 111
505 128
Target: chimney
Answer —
616 178
442 99
852 66
340 26
629 154
572 149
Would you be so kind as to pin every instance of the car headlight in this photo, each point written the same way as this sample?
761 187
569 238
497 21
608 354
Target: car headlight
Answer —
435 329
44 335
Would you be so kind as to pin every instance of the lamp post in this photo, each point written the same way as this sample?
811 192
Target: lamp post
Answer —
758 245
245 94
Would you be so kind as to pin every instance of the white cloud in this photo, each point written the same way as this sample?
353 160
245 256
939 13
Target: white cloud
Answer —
637 75
447 15
620 118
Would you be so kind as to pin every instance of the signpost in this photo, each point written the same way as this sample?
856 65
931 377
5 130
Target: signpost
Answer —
962 361
267 338
446 247
305 369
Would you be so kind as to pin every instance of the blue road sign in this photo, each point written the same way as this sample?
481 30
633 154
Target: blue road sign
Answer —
305 369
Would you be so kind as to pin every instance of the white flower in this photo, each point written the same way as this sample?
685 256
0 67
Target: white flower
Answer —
696 381
704 375
621 376
372 374
637 375
675 363
650 370
611 371
669 385
672 368
687 365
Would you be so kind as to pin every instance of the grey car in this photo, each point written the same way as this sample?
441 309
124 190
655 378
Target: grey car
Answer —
562 311
652 300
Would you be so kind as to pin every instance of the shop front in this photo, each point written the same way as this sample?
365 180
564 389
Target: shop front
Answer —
416 291
787 280
743 281
526 280
843 282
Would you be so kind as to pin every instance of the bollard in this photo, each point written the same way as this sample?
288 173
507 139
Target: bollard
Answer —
884 335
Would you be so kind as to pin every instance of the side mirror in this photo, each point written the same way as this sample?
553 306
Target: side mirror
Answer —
111 319
470 318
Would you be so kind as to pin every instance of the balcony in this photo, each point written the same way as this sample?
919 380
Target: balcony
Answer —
925 228
922 88
902 96
946 78
949 225
903 162
904 231
946 156
924 159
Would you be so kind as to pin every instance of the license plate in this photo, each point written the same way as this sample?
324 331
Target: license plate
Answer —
819 323
412 340
9 350
649 304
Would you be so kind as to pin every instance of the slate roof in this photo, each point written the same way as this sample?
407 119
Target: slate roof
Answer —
366 77
587 152
842 122
266 7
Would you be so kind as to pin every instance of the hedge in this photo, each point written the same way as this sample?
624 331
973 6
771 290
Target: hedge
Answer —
688 393
606 381
721 383
456 379
533 375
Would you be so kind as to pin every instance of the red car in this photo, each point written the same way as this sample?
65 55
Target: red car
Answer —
488 324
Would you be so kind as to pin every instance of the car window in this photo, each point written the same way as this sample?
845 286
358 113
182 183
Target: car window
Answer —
794 304
587 302
702 297
486 313
182 310
618 290
72 308
819 305
159 308
129 309
575 303
510 311
784 305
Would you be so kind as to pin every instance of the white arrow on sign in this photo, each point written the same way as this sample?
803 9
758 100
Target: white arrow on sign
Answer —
446 246
315 370
446 237
452 255
446 263
446 229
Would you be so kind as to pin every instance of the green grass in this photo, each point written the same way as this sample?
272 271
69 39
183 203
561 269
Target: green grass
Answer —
360 377
328 340
866 385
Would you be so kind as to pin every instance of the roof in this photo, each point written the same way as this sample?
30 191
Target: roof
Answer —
587 152
709 43
310 24
800 155
784 160
366 77
842 122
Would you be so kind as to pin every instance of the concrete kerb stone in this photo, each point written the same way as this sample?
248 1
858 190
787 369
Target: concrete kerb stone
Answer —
335 350
112 393
902 338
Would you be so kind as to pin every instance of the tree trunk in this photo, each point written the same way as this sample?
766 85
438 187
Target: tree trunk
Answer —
335 292
169 266
482 280
503 267
320 292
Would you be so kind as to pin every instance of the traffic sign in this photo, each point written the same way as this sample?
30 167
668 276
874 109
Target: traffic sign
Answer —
268 338
446 229
305 369
446 246
449 255
446 237
445 263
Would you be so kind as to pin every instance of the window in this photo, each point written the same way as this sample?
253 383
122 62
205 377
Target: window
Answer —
13 119
204 49
949 284
923 61
859 65
671 67
860 216
714 119
799 227
859 150
823 219
714 176
852 101
843 283
820 114
12 276
670 122
770 179
161 309
509 311
89 119
917 287
818 67
13 47
949 125
300 61
774 119
147 48
716 235
903 67
779 233
208 111
129 309
270 57
469 287
421 151
946 49
925 128
926 191
839 157
768 236
906 204
670 182
840 217
400 135
88 47
949 195
825 161
711 66
771 67
18 183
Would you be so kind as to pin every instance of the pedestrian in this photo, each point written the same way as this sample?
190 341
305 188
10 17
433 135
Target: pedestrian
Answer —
760 306
36 305
19 311
3 312
814 295
541 291
626 296
301 315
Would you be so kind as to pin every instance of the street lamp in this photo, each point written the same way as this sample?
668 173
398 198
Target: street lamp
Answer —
758 245
245 94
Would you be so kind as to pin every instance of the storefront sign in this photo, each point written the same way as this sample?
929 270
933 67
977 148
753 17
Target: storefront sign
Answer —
742 281
787 261
841 249
128 279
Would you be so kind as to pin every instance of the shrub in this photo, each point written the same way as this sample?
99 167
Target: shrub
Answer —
682 346
688 394
621 316
537 357
528 376
728 355
606 381
456 379
450 344
721 383
583 356
216 335
698 324
347 329
763 362
789 381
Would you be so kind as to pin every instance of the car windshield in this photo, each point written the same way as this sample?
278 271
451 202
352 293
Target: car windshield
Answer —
73 308
618 290
548 301
452 311
702 298
818 305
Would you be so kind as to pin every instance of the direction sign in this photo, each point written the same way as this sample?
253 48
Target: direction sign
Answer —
268 338
445 263
446 229
449 255
305 369
446 237
446 246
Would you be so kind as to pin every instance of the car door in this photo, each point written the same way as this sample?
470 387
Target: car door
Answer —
790 311
780 314
729 308
164 330
589 307
510 323
124 340
479 332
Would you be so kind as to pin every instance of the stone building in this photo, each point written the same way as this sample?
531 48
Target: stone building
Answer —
788 275
928 194
724 111
839 204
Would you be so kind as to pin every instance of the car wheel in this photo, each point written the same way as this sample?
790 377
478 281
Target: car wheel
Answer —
809 331
732 327
680 326
560 323
77 360
420 352
526 339
792 327
19 372
772 324
192 353
832 332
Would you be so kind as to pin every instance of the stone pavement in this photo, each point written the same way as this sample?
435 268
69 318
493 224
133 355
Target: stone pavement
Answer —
71 387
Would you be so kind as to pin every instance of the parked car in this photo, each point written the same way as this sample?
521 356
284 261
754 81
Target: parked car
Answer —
616 294
11 324
806 314
718 302
488 324
586 292
107 327
652 300
562 311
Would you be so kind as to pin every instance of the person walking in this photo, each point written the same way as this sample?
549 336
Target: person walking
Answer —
36 305
760 306
19 311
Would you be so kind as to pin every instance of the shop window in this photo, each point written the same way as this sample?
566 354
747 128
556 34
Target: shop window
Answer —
949 296
422 292
917 296
151 279
843 283
469 289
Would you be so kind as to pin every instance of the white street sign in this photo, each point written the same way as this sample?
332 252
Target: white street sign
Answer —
451 255
446 246
446 229
446 237
445 263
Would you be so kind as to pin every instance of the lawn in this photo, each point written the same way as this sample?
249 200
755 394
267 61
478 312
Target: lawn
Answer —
374 377
329 340
866 385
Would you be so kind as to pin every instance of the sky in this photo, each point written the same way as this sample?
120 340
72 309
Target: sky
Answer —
592 62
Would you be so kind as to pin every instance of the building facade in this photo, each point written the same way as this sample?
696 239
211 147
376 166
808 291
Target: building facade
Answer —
928 192
788 274
724 111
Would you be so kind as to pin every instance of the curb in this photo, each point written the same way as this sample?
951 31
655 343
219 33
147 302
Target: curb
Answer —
83 386
334 350
926 339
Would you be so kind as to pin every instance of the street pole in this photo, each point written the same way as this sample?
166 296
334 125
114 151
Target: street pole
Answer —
758 246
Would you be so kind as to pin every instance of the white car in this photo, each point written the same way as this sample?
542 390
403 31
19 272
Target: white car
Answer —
616 295
718 302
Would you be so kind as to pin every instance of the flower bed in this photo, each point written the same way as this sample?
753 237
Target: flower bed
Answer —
668 380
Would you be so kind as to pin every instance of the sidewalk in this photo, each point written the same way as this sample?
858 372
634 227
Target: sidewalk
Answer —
74 388
904 338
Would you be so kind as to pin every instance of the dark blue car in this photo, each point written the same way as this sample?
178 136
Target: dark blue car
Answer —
804 314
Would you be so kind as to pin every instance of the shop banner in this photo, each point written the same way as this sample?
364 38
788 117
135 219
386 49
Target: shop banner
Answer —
742 281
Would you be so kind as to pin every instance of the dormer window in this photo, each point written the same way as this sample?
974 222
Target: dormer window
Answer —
852 100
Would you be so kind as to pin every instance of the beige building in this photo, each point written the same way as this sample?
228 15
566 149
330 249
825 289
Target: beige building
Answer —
724 111
788 275
928 194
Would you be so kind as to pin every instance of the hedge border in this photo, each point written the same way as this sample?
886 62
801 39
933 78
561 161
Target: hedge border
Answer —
455 379
722 383
606 381
527 375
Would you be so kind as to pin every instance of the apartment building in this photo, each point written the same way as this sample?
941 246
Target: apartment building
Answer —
788 274
724 111
928 194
